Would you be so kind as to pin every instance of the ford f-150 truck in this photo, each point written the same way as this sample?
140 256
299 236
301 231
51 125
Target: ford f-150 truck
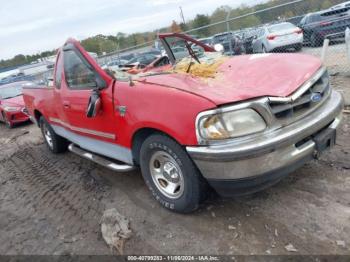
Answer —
192 123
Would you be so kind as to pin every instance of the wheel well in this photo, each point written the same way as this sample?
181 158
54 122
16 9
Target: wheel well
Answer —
139 137
37 116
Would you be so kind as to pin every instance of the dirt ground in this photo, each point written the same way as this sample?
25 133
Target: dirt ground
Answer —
52 204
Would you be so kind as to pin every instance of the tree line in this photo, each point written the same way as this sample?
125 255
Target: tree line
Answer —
101 44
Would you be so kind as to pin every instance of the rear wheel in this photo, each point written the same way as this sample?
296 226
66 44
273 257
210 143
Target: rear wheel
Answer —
170 174
55 143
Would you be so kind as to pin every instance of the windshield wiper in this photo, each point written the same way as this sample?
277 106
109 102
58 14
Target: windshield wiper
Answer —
192 53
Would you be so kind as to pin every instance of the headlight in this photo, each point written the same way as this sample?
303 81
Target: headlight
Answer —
12 108
230 124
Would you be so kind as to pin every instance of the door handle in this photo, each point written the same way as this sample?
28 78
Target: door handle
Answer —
66 104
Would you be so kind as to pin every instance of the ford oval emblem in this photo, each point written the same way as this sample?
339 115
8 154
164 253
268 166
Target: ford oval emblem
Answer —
316 97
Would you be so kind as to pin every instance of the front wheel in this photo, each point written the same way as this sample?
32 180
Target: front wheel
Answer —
55 143
170 174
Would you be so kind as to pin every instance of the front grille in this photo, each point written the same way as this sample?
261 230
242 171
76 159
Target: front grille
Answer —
304 104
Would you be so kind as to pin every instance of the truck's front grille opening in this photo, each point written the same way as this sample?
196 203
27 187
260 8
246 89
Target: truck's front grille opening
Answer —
316 94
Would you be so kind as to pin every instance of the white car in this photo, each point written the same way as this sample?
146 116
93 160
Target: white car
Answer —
277 37
342 5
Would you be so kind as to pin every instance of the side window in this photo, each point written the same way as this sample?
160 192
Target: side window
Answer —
77 73
58 73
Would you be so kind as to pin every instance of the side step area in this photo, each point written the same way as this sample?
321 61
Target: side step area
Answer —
100 159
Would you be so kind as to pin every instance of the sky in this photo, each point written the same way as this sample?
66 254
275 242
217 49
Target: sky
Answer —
28 27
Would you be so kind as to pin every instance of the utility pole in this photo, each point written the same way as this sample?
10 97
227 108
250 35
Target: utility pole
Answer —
182 15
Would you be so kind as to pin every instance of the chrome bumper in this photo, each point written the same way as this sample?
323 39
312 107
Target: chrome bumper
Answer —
270 152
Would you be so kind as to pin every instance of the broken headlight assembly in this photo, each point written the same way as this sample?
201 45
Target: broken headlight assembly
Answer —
230 124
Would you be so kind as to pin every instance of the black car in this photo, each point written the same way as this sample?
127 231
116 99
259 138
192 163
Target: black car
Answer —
247 38
224 39
329 24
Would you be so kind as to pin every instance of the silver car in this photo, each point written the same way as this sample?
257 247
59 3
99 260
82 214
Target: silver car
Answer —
276 37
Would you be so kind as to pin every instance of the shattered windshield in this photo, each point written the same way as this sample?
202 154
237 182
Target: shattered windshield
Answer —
190 59
180 48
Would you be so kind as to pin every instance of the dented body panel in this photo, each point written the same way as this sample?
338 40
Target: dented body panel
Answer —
164 99
246 77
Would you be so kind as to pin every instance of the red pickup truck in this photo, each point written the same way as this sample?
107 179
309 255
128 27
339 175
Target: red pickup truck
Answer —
193 121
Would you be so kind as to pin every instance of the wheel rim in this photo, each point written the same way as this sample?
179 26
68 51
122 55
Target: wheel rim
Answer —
47 135
167 175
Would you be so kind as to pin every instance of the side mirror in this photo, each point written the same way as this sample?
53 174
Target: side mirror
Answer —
100 83
94 105
219 48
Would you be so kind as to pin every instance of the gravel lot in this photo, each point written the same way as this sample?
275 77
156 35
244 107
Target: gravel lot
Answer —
52 204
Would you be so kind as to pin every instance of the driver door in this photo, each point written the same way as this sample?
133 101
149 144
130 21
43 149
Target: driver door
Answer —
79 79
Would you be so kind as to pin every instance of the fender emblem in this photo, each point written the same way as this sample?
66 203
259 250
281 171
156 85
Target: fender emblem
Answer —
121 110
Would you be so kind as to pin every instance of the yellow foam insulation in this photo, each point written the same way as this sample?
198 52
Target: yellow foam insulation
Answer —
206 69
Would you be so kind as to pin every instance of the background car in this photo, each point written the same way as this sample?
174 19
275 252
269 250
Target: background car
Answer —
12 109
154 52
224 39
206 41
141 61
275 37
329 24
247 39
115 65
16 78
342 5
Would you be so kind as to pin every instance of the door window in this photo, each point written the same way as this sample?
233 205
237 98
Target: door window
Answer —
77 72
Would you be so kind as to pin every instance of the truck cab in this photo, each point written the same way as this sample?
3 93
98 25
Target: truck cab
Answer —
204 121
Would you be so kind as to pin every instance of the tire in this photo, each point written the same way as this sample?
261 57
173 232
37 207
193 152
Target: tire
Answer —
315 40
6 121
298 47
170 174
54 142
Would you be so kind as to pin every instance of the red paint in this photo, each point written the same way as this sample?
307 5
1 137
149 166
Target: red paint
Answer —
171 102
13 117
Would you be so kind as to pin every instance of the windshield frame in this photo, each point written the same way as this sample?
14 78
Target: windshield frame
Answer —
186 39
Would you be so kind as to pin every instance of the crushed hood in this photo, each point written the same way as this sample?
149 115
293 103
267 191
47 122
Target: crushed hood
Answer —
244 77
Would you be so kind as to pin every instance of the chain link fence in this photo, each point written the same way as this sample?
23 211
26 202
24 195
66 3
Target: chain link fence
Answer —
299 26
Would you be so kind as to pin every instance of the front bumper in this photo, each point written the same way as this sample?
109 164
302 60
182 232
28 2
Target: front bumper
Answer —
17 117
275 153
